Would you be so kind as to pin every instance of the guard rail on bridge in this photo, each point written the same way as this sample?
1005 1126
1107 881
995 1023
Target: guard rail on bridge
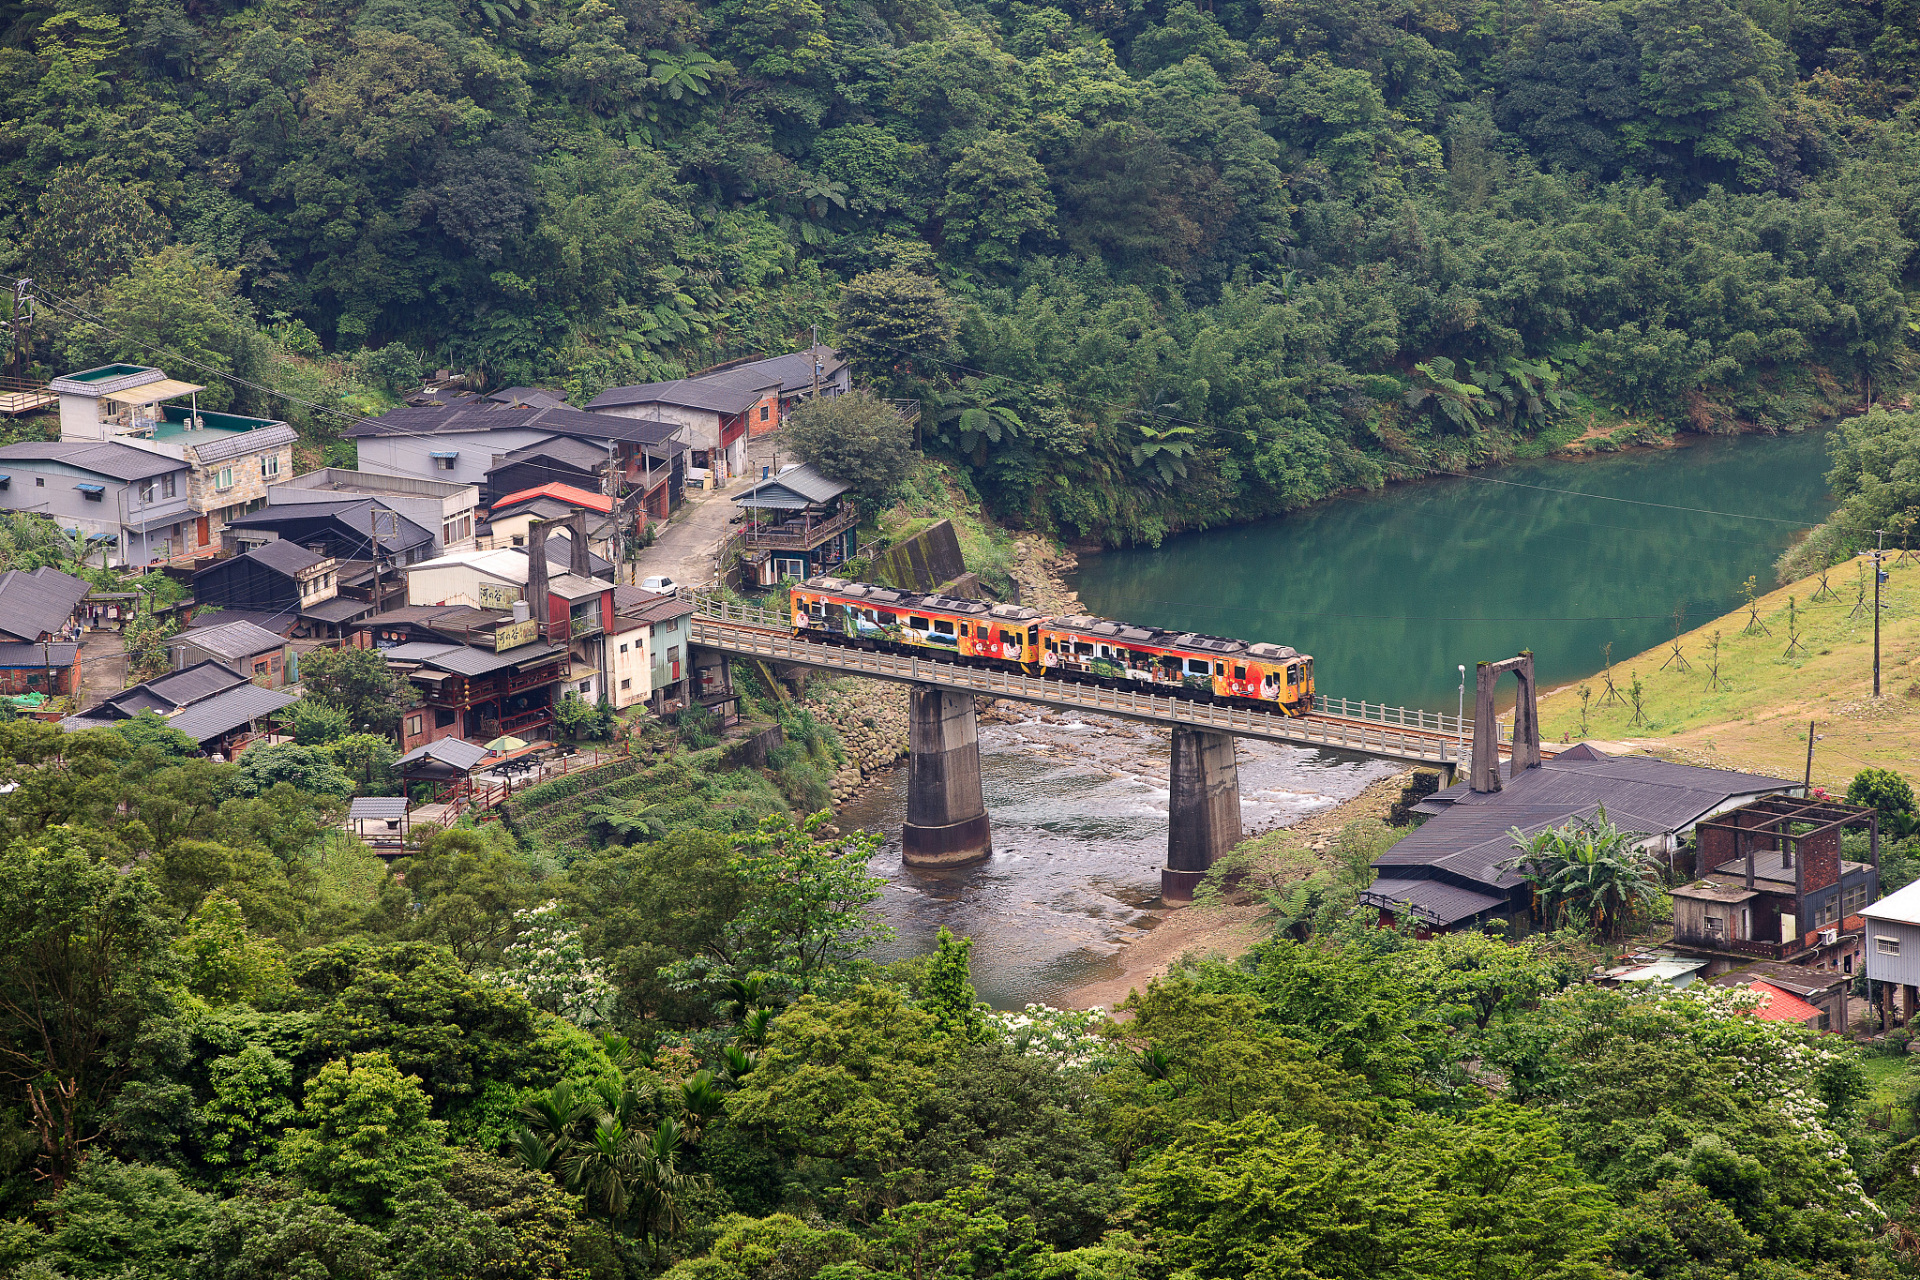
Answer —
1394 733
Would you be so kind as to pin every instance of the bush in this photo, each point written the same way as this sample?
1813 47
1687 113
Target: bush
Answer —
1888 792
699 728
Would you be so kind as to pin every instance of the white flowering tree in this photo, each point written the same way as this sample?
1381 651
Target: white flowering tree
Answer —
1069 1039
547 964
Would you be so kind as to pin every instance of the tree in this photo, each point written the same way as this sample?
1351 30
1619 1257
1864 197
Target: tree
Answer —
150 730
306 769
87 966
804 921
358 682
223 962
314 723
116 1219
271 1231
996 196
574 714
369 759
93 224
462 890
857 438
1890 794
894 321
1589 874
950 996
366 1135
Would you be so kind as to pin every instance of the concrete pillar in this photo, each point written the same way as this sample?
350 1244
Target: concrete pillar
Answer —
1203 809
946 811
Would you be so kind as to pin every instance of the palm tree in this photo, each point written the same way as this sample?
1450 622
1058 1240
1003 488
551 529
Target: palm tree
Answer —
1587 872
598 1144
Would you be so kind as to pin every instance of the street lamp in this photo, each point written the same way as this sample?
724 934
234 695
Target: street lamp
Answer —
1460 718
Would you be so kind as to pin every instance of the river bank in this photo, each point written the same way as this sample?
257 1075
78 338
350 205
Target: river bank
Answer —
1753 714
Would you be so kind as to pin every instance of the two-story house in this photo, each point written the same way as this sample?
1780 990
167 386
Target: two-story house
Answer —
274 585
231 459
446 511
799 524
134 501
818 371
715 411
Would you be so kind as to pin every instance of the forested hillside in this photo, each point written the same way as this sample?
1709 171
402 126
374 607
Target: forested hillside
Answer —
1196 265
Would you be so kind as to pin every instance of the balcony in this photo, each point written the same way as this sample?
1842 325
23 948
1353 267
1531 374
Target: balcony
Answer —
800 534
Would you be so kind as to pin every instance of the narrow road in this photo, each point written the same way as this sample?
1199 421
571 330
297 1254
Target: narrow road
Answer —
686 548
103 667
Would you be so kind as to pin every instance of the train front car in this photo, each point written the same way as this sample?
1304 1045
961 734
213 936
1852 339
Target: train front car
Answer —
950 626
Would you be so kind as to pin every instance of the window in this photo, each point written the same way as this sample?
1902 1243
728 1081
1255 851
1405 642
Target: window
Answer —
413 726
918 624
1196 667
269 465
259 668
625 685
1887 946
166 486
623 648
1081 646
443 717
39 482
943 626
887 619
224 480
146 491
586 686
93 492
763 413
1009 637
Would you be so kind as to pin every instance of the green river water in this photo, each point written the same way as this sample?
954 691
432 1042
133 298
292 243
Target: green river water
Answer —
1390 591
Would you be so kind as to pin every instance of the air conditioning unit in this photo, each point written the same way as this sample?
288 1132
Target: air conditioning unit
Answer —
1829 935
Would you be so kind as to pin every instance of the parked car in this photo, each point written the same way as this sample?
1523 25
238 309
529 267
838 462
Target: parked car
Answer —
657 583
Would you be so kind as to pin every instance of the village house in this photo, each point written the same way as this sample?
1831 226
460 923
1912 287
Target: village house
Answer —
560 460
798 525
252 650
513 516
446 511
714 412
40 604
133 500
802 374
216 706
479 673
650 647
231 459
283 581
50 668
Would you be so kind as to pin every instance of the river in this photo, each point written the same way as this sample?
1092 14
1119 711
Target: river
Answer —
1389 591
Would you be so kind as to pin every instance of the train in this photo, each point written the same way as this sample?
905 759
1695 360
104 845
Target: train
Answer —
1091 650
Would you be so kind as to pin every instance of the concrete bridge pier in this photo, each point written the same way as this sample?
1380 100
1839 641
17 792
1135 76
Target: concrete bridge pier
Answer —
947 822
1203 809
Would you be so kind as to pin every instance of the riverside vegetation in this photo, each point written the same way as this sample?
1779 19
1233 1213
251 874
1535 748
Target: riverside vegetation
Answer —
646 1042
1150 266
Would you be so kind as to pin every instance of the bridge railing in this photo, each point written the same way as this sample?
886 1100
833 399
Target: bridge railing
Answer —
1370 738
1401 717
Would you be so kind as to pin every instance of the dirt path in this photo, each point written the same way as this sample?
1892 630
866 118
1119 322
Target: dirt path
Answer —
686 548
103 667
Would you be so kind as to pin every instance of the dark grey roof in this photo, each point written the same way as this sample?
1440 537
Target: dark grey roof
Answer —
1433 900
288 557
648 606
37 601
428 420
727 391
224 712
38 655
106 458
274 622
792 489
795 370
575 453
377 808
464 661
230 639
1468 838
239 442
189 684
338 609
533 397
541 505
354 517
458 752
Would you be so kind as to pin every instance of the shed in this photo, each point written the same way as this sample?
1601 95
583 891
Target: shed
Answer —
444 759
249 649
381 821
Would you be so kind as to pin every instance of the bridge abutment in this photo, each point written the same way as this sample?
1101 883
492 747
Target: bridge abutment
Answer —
947 821
1203 809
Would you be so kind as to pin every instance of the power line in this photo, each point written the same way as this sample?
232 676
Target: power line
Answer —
1665 506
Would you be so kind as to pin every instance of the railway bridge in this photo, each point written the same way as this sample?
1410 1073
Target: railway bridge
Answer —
947 822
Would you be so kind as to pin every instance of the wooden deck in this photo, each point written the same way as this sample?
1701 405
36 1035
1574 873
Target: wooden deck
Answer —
486 791
14 402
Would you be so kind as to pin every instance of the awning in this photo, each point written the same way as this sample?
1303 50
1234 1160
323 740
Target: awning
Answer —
91 488
450 453
148 393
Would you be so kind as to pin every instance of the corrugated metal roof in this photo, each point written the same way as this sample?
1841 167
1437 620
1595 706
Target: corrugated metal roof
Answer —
353 517
1434 900
240 442
37 602
575 453
795 370
338 609
566 493
1902 906
225 712
728 391
803 482
230 639
428 420
458 752
377 808
528 397
188 685
115 461
269 621
38 655
648 606
288 557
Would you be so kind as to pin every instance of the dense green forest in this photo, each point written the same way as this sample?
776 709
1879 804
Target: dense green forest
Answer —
1185 266
234 1046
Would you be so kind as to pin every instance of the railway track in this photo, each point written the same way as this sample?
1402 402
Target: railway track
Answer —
1392 733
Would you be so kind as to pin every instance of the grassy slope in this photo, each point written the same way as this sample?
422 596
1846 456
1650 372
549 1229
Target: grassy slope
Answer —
1757 718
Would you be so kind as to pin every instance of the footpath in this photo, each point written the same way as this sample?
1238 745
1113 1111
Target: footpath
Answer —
688 548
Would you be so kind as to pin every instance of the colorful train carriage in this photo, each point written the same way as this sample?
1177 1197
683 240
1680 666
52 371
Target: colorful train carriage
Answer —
1099 649
939 624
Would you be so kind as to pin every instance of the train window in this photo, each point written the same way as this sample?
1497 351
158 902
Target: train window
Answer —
887 619
1239 673
918 624
819 608
1052 645
1033 634
1196 667
1009 637
1081 646
1219 668
943 626
1293 674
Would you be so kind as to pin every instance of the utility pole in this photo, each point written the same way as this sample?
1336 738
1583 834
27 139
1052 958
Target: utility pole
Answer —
813 354
1877 577
1460 718
22 328
1807 789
